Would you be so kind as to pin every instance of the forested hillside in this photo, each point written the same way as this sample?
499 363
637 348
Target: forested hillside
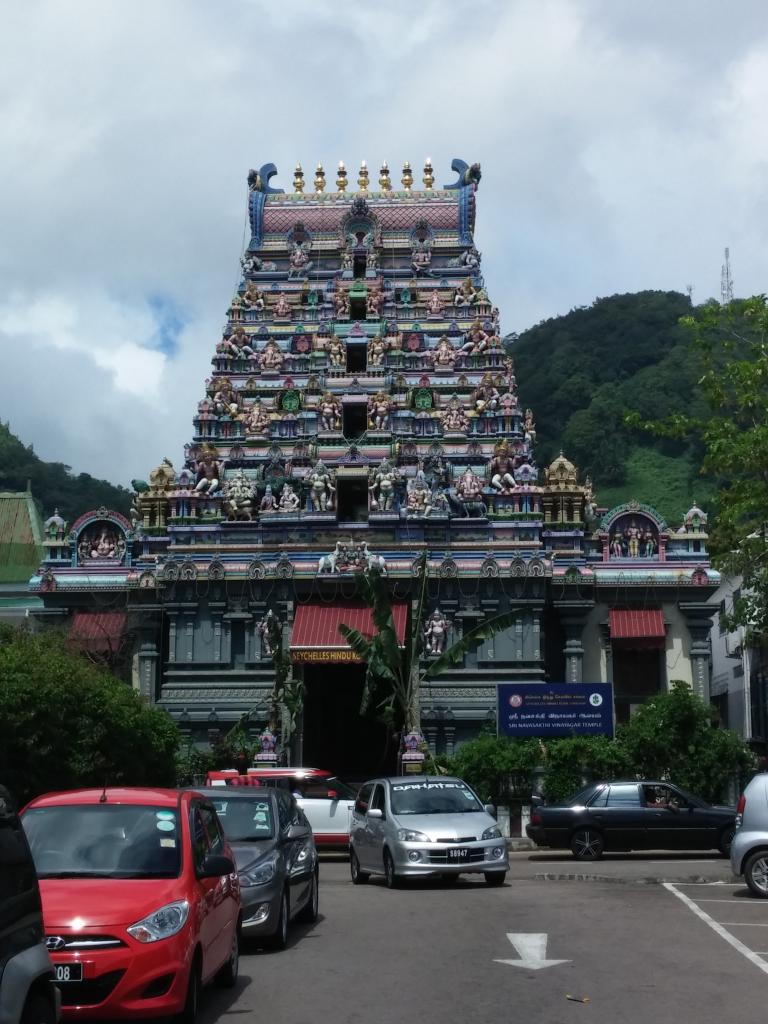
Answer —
582 372
53 484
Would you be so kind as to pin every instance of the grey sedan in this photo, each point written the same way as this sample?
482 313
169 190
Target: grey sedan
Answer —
424 825
276 860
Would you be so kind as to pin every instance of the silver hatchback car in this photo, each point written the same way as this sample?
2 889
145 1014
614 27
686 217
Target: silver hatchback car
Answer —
424 825
749 849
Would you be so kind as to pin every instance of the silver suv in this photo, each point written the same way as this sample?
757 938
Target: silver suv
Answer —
424 825
749 849
28 994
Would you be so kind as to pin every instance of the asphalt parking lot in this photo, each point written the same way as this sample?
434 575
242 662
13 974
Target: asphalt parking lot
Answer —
436 953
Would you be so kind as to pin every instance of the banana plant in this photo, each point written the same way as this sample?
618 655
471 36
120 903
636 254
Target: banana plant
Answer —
397 669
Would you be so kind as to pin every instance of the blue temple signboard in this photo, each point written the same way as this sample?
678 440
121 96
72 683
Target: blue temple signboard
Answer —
555 709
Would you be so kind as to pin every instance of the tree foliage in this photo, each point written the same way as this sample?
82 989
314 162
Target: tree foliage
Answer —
66 724
53 484
669 737
731 343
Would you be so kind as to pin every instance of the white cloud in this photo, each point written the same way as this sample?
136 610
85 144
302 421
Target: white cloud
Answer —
622 147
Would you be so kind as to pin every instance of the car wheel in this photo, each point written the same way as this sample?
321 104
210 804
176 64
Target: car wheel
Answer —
756 874
587 844
227 976
495 877
308 913
192 1003
726 838
38 1009
279 938
390 875
359 877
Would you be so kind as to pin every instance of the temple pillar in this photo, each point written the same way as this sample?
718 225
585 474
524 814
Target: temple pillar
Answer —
149 656
573 619
698 619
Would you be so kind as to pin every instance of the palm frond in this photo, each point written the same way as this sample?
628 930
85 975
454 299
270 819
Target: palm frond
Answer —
471 641
361 645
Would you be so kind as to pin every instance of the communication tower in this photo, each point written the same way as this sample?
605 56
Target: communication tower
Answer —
726 281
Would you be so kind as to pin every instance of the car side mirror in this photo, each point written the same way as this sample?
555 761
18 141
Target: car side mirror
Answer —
490 809
215 865
297 832
375 813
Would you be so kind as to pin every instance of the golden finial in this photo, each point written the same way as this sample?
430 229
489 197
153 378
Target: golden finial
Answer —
429 174
341 179
319 179
362 179
407 178
385 182
298 179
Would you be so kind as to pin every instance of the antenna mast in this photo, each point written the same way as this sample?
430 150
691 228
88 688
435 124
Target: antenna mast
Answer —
726 280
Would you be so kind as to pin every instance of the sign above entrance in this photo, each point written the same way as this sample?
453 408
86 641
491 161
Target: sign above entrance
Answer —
555 709
316 639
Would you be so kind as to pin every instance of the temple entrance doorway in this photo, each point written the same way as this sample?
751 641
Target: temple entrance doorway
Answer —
336 736
637 675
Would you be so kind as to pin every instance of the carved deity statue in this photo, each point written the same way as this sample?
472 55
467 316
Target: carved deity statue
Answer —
329 411
444 356
393 339
421 257
257 419
455 416
236 344
382 487
225 401
434 303
530 426
208 471
271 359
282 310
373 302
502 469
379 410
418 498
269 629
289 499
485 397
239 495
469 486
477 340
341 303
436 632
465 294
299 261
377 349
337 351
269 502
371 260
321 488
253 264
253 297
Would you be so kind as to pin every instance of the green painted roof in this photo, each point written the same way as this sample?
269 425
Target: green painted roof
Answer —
21 536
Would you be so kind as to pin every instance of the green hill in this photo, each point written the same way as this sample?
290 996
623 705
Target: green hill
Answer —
582 372
53 484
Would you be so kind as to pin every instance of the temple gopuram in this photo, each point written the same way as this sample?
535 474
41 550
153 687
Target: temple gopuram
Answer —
361 411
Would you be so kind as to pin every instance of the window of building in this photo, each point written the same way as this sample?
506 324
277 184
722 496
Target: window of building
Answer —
354 419
357 357
359 264
352 498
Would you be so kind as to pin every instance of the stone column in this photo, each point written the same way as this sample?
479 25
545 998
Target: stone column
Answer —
573 618
148 662
698 619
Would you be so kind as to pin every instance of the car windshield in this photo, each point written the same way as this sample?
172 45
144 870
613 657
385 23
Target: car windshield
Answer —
433 798
104 841
245 819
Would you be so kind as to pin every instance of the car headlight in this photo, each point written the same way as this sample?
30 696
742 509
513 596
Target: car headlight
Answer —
162 923
491 833
258 874
407 835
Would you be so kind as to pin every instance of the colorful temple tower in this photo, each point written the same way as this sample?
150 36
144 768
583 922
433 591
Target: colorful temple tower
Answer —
362 411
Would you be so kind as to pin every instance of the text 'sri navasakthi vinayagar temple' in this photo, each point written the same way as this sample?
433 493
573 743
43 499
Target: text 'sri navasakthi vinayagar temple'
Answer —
362 410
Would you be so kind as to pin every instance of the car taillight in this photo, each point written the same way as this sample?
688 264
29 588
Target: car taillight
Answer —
740 807
536 818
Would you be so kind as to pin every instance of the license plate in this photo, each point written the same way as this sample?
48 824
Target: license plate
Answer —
458 853
69 972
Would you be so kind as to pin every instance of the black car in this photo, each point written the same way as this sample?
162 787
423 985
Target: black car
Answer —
633 815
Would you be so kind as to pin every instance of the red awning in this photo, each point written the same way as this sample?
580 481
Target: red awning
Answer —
316 636
635 627
100 632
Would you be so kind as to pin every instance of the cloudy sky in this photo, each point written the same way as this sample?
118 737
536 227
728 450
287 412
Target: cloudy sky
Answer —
623 145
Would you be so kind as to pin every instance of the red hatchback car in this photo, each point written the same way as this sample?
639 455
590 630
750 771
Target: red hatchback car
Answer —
141 902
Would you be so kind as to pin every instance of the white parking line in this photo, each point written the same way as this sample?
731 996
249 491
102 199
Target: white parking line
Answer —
750 954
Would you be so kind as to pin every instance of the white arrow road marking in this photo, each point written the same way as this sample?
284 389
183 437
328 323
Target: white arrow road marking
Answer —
532 950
